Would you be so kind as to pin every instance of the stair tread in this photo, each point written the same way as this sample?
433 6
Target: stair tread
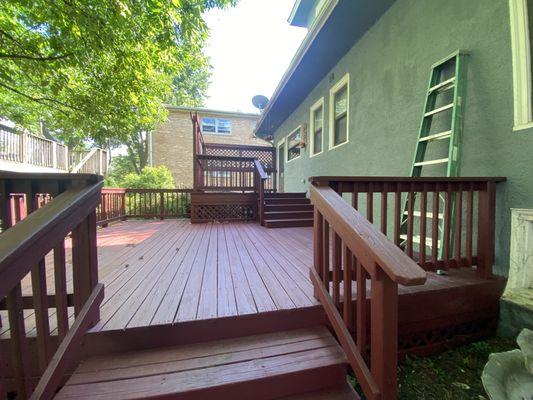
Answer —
203 366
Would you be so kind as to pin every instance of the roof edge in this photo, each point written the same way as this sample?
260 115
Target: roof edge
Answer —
211 111
315 28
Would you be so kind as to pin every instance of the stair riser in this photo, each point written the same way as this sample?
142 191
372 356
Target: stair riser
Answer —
289 207
301 200
289 215
280 223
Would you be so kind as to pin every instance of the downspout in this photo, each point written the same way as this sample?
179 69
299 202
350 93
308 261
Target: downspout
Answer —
151 150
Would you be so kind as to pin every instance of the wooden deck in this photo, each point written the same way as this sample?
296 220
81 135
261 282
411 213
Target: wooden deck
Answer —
167 272
159 275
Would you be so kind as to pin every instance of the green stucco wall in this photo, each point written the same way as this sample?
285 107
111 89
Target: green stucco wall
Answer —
389 70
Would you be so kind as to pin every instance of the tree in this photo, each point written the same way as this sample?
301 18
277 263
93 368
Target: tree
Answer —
98 69
150 178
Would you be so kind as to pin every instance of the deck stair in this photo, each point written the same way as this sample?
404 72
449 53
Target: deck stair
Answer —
303 364
287 210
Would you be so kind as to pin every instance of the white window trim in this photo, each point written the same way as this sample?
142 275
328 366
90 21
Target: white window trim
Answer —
299 127
521 56
216 133
314 107
345 80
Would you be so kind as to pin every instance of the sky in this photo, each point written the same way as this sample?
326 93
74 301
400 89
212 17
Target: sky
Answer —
250 46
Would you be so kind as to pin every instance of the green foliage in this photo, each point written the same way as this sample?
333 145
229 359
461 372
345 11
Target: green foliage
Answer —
150 178
100 69
120 167
452 375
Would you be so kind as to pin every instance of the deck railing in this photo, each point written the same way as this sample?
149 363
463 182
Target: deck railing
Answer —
228 178
24 244
120 204
38 151
368 330
379 232
461 235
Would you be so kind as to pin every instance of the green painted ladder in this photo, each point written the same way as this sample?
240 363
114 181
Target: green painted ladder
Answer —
438 85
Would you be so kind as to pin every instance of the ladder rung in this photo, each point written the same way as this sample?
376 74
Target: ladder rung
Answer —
445 85
416 239
430 162
436 136
428 214
438 110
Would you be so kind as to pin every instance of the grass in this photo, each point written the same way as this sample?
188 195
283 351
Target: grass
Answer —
452 375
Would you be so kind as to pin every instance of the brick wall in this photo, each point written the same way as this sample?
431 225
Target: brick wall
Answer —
172 141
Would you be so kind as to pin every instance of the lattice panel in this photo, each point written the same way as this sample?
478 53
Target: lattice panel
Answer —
265 157
224 212
449 333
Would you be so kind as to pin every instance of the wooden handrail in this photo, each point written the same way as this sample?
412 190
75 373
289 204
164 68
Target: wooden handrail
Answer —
348 248
224 158
27 242
260 170
364 239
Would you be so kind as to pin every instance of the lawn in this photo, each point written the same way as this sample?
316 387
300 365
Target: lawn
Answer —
452 375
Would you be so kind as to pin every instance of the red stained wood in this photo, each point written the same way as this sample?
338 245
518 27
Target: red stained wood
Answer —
231 366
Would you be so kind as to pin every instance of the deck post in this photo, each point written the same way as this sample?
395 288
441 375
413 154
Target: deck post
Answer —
486 229
84 262
384 333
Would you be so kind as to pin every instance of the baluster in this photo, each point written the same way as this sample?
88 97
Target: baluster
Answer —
40 304
19 345
384 209
325 254
60 282
361 312
347 281
435 228
423 227
370 203
337 261
410 221
469 224
458 226
317 243
397 214
161 205
447 225
355 196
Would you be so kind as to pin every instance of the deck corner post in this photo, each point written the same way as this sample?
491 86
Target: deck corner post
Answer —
486 229
384 333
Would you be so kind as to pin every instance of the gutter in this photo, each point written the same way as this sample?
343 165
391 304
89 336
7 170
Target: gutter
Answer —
315 28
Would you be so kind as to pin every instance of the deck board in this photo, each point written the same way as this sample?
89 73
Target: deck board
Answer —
164 272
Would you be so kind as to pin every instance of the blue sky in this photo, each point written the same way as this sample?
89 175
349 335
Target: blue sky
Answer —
250 47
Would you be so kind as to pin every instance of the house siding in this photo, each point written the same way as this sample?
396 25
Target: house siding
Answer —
389 69
172 141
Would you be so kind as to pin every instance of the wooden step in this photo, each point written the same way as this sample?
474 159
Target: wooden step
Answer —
284 194
288 207
287 200
288 223
262 367
343 392
270 215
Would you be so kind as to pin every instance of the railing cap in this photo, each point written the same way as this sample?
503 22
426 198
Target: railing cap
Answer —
380 179
50 176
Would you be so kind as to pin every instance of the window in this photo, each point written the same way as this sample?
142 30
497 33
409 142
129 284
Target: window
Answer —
293 144
339 107
317 127
216 126
521 12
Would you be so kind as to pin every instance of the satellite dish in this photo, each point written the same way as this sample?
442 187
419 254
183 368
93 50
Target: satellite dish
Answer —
260 101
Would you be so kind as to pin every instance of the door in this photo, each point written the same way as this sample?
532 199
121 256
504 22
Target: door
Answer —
281 167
